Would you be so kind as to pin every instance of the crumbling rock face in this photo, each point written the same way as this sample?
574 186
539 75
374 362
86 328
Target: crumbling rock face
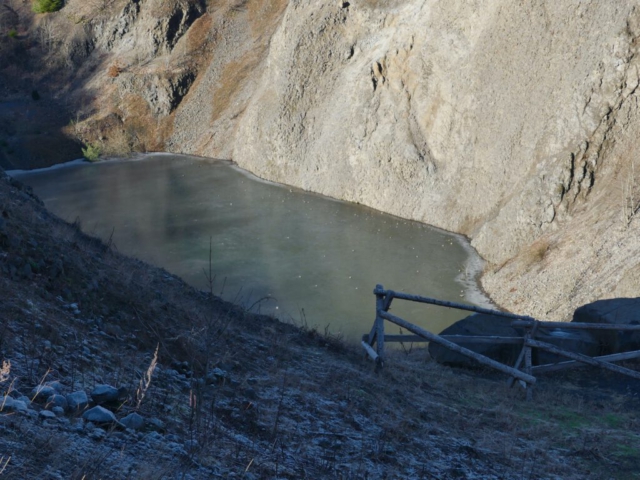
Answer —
498 121
163 92
512 124
150 27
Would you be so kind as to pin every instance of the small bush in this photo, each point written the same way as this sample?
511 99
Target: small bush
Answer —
114 70
35 95
13 33
46 6
91 152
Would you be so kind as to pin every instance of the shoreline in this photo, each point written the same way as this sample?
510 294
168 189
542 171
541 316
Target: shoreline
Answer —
470 272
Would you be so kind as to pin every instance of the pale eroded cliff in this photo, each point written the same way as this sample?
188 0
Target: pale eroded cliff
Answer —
513 124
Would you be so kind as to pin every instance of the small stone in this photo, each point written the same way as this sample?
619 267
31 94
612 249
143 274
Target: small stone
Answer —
57 401
99 415
217 375
27 272
77 400
133 421
41 393
58 411
155 424
104 394
47 415
56 385
9 404
97 434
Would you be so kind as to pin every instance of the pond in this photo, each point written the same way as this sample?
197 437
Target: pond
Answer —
274 249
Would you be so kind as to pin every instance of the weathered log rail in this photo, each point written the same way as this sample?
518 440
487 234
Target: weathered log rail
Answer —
523 374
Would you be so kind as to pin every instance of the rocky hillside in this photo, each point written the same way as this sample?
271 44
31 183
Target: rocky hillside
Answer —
512 124
112 368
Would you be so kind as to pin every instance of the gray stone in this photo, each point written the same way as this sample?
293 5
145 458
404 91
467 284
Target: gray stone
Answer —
59 411
155 424
615 311
99 415
8 404
41 393
47 415
77 400
479 325
56 385
97 434
57 401
217 375
104 394
133 421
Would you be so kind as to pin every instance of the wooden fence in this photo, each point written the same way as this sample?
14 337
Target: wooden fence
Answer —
518 372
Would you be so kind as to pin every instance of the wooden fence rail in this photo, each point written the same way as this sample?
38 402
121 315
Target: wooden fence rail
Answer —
530 325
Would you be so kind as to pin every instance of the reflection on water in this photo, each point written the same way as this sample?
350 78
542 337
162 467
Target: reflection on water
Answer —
297 255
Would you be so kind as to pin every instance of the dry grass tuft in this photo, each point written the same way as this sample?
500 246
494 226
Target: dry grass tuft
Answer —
114 70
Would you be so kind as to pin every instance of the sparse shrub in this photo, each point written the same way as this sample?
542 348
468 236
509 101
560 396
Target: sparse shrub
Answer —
35 95
46 6
91 152
13 33
114 70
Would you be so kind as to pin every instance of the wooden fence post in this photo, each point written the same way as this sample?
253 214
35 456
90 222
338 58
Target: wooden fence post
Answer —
380 303
527 363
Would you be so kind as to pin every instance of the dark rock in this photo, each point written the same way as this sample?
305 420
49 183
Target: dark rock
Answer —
59 411
105 394
99 415
8 404
155 424
133 421
47 415
56 385
57 401
77 400
41 393
577 341
615 311
27 272
479 325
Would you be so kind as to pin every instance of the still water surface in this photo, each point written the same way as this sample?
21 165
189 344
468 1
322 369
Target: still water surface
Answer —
300 256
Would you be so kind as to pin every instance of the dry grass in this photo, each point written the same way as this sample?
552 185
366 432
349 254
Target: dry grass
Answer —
232 80
536 252
114 70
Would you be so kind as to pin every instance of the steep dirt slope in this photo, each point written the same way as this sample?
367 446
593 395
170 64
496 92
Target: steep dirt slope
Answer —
238 395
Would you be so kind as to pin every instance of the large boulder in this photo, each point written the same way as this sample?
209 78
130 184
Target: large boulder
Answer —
576 341
479 325
614 311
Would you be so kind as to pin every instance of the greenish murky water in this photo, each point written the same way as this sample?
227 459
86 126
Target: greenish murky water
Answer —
275 249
